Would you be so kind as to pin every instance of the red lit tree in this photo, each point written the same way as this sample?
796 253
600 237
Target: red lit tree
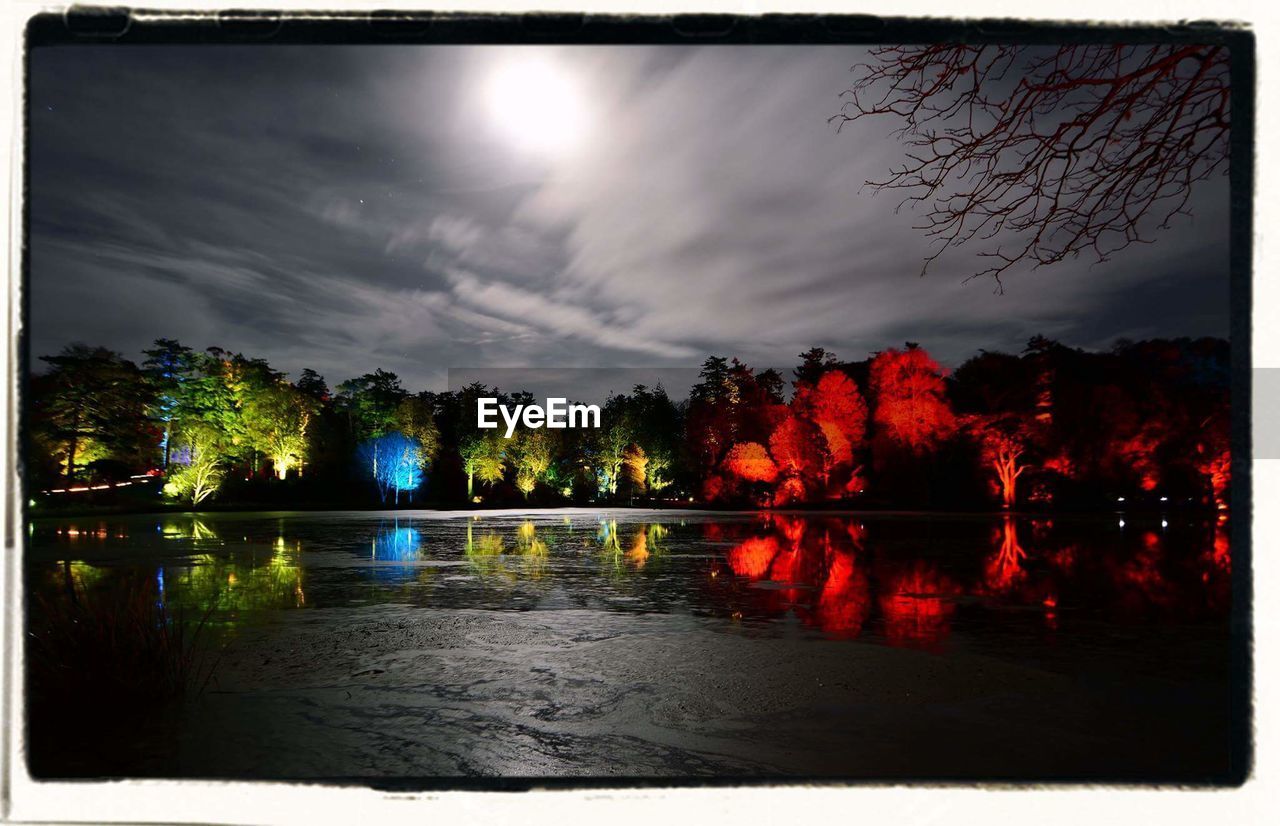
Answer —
1005 440
911 407
834 404
1213 456
798 449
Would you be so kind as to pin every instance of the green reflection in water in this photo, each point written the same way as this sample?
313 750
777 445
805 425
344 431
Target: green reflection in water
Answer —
645 546
491 555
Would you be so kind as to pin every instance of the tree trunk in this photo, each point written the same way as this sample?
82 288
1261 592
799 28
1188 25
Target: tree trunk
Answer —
72 446
1006 469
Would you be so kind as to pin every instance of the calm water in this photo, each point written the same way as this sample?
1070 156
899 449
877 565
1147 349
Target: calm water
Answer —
1123 612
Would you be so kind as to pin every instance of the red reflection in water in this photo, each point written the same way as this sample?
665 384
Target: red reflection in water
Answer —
915 613
1004 569
786 566
845 599
792 528
1222 547
751 558
819 569
1063 558
1141 576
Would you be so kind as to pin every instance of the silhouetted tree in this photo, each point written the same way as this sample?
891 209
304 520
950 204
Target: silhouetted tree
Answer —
1044 153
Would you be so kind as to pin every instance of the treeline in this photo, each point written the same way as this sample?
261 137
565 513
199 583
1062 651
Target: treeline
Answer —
1052 426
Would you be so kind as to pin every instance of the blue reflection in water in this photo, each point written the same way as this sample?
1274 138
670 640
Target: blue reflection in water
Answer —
396 543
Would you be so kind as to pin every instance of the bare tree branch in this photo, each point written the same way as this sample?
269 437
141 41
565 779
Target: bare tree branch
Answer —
1064 150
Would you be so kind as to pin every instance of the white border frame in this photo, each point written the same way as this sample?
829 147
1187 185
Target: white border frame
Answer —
250 803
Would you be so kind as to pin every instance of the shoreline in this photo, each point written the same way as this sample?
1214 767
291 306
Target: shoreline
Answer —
495 512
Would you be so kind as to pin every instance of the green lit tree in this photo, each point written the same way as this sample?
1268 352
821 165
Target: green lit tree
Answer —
200 478
483 458
531 452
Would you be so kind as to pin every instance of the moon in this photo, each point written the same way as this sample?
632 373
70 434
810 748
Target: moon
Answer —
536 105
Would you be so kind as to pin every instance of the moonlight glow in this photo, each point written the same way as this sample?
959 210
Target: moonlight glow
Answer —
536 105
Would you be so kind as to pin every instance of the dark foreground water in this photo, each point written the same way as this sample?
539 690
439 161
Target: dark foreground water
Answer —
416 646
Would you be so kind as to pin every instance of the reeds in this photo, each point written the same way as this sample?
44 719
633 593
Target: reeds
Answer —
107 668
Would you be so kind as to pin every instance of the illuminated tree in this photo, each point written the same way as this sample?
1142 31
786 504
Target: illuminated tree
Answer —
834 404
531 452
208 397
635 468
655 471
799 451
1048 152
92 404
911 406
276 418
200 476
394 463
731 404
1213 456
482 457
611 452
413 418
656 426
1004 441
750 462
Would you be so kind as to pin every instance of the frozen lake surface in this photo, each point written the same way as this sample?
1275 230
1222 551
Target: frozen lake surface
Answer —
416 648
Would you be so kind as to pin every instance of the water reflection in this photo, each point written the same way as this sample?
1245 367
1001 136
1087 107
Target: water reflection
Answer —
1004 569
397 544
520 554
917 605
630 547
908 581
903 583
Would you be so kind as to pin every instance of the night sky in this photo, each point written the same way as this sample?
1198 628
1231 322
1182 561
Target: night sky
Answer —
412 208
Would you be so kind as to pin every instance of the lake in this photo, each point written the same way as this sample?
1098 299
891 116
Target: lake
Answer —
430 649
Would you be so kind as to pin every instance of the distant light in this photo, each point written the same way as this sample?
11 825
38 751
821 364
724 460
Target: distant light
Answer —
1122 523
1121 499
1164 499
1164 523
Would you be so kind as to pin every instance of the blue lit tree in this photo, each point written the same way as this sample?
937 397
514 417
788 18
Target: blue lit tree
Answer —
395 463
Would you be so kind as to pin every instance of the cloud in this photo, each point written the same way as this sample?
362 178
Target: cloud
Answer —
346 209
558 318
